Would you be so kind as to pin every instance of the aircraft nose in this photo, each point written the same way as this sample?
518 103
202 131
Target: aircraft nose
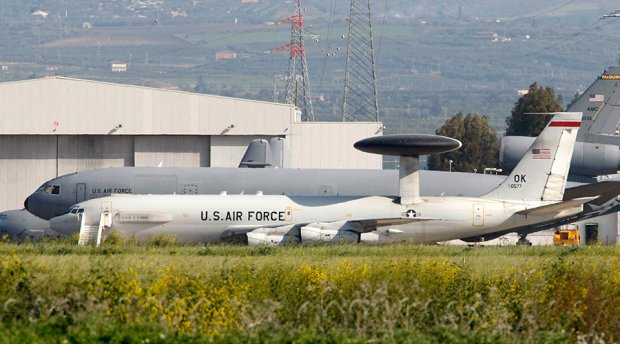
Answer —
66 224
40 206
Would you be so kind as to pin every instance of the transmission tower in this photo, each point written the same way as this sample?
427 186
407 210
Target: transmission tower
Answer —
297 81
360 85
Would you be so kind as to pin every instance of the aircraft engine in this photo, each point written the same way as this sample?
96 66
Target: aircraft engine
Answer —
379 237
273 236
589 159
324 232
262 238
374 237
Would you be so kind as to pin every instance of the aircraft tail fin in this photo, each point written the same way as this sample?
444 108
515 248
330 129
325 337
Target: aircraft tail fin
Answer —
599 104
258 155
261 153
542 172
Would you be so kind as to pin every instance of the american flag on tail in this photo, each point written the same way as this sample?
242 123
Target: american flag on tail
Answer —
541 153
597 98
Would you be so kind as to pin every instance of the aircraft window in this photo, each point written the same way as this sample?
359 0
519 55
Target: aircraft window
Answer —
73 209
81 210
52 189
3 218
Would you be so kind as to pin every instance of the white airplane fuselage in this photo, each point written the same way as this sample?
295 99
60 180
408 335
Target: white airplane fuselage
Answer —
210 218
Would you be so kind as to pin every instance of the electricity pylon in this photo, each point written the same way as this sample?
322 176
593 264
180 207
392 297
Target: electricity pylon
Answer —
360 81
298 82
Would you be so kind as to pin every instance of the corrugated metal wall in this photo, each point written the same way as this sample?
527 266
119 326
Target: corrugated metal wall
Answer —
227 151
57 125
28 161
330 145
25 162
78 153
172 151
66 106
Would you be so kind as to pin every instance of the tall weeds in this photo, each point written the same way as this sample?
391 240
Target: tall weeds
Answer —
394 293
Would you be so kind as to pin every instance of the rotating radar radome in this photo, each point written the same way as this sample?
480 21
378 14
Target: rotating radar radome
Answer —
408 148
407 145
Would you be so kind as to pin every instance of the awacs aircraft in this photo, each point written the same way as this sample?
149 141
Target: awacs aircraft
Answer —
56 196
532 194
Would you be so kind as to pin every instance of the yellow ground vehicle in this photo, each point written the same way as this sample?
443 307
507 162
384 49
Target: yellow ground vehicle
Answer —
566 235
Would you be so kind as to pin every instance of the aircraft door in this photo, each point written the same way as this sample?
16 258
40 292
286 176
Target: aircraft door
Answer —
80 193
478 219
106 207
106 210
591 233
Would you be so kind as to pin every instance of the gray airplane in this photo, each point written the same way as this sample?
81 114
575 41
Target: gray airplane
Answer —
19 224
57 195
532 194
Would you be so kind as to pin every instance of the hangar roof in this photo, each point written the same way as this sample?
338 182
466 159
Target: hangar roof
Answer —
65 106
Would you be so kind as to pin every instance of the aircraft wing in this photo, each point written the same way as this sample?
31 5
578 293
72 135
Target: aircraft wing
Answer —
556 208
368 225
344 230
355 225
605 191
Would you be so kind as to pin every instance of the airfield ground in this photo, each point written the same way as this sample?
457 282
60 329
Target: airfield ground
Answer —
161 293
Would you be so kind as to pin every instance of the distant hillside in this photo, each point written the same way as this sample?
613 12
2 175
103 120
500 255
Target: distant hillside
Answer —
434 58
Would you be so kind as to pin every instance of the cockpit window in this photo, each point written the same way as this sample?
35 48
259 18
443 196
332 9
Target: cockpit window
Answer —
3 218
76 210
52 189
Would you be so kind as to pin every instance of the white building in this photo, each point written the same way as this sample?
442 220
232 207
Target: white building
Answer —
57 125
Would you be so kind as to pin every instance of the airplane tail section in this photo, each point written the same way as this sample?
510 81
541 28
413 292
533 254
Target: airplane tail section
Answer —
258 155
600 105
542 172
274 153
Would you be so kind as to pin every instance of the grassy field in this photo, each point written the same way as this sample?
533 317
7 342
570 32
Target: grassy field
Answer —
161 293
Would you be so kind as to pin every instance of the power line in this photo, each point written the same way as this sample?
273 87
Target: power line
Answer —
327 49
562 40
545 12
385 6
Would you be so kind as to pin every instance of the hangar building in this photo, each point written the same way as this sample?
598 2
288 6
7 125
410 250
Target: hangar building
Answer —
57 125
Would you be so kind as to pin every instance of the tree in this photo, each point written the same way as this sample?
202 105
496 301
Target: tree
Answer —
480 145
524 119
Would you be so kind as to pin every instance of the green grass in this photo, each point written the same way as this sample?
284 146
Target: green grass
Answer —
56 291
